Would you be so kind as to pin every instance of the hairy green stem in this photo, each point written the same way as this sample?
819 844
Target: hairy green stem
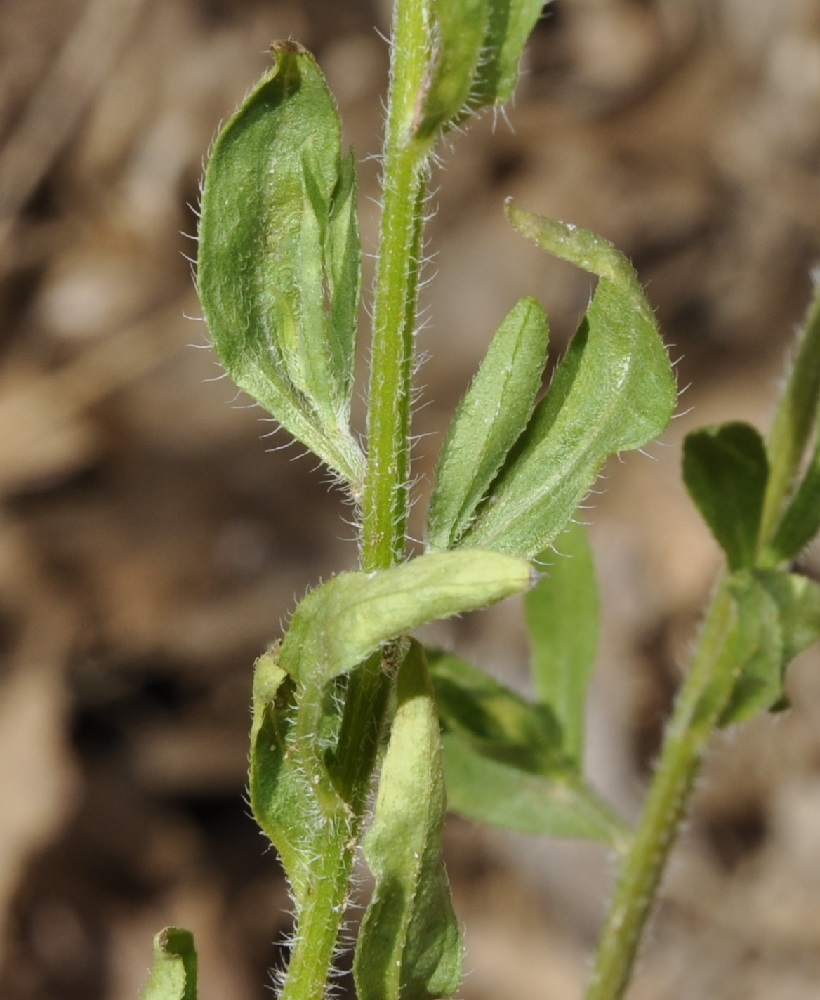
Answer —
698 709
320 914
385 501
385 496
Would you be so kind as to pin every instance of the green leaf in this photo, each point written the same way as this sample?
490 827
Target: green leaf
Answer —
343 273
341 622
279 260
505 763
562 613
409 946
556 804
778 617
725 470
510 25
797 417
798 603
490 417
505 726
461 27
334 629
613 390
173 969
278 787
756 648
290 785
476 57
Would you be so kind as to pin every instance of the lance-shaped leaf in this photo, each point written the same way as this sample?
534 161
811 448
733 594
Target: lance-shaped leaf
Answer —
801 519
500 722
279 261
489 419
173 969
613 390
725 470
562 613
553 804
796 419
341 622
409 946
778 617
476 57
505 763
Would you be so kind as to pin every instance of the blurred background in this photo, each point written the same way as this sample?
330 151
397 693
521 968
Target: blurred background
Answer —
150 543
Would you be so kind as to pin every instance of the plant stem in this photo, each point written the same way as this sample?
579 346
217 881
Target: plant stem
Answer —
698 709
385 495
385 500
320 915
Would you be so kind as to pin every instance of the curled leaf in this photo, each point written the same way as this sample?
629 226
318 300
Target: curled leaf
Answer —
509 27
461 27
290 788
341 622
613 390
409 946
279 262
174 967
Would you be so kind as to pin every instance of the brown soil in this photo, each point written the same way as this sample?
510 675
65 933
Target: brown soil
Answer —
150 543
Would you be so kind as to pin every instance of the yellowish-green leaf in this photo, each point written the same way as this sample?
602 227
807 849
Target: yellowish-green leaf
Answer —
409 946
341 622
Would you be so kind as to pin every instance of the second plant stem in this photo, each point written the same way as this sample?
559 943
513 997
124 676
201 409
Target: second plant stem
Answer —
698 709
